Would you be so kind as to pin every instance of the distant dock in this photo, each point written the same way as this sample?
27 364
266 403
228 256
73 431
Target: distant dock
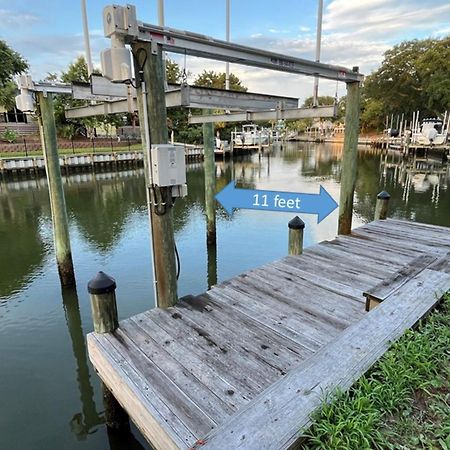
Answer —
35 165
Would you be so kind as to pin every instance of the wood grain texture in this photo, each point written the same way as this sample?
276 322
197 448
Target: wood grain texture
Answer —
389 285
273 420
243 365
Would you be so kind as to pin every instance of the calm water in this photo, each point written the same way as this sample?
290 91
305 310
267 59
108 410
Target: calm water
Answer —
50 396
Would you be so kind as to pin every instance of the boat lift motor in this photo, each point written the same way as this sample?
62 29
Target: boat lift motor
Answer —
119 23
25 101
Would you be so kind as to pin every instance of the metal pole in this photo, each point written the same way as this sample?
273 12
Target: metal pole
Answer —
161 13
318 43
227 67
161 23
87 44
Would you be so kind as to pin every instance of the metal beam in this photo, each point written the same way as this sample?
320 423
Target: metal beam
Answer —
190 97
206 47
278 114
122 22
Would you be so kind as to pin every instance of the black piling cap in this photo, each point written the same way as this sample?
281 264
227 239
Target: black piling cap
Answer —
101 284
384 195
296 224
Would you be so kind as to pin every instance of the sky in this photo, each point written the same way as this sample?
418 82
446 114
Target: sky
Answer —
48 33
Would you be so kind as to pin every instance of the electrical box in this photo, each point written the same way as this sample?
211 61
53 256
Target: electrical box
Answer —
168 165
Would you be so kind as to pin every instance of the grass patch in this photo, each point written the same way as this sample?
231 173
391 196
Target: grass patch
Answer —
402 403
69 151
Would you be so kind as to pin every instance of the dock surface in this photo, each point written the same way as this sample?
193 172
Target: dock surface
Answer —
235 367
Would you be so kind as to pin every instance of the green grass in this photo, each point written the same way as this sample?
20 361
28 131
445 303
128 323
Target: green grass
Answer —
403 403
69 151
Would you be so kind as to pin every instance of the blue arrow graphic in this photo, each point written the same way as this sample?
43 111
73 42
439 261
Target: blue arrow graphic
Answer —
321 204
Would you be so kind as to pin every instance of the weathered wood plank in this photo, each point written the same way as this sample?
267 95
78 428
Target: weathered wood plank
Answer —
177 339
256 341
362 262
305 332
258 287
319 296
189 413
257 310
232 356
442 264
363 245
149 355
190 362
150 414
388 286
332 271
273 419
439 231
384 257
424 236
395 239
317 279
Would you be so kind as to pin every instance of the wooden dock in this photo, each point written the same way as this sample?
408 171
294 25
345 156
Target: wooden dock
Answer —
244 365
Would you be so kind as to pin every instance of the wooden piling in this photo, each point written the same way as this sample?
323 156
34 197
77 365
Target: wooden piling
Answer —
349 158
382 205
104 315
149 64
60 221
210 181
296 229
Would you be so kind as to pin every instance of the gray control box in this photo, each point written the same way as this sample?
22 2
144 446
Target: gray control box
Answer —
168 165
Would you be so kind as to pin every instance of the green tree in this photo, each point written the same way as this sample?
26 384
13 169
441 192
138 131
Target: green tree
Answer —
12 63
433 66
174 73
372 114
212 79
323 100
414 75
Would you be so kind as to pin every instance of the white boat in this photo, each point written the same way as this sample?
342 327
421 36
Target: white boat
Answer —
221 147
431 132
251 135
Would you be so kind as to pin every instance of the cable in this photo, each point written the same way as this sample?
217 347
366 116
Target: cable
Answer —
178 260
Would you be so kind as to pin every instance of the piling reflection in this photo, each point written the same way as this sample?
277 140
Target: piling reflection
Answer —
212 264
88 420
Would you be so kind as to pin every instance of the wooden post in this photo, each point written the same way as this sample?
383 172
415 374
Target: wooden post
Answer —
381 209
104 315
350 158
210 181
56 192
149 68
296 229
407 142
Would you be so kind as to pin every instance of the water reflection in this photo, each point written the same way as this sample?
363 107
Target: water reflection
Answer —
212 264
109 231
88 420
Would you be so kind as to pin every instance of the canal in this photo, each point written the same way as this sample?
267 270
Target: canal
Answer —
50 396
